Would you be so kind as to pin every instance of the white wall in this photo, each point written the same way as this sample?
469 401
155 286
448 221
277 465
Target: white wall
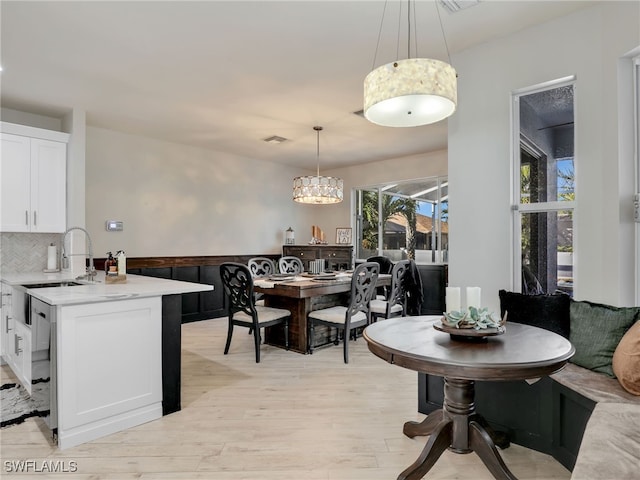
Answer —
178 200
33 120
587 44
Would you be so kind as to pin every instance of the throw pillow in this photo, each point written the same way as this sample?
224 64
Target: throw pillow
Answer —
596 330
626 360
550 312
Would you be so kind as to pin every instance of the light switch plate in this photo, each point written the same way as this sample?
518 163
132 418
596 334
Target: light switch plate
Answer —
114 226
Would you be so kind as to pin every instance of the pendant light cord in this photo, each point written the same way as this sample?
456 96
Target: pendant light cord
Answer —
375 55
409 27
446 45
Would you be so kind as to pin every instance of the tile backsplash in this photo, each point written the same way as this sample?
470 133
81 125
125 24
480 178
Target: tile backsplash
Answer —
26 252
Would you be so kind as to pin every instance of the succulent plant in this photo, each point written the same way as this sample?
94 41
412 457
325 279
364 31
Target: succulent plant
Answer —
478 318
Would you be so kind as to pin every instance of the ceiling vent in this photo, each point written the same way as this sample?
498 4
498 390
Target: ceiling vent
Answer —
275 139
453 6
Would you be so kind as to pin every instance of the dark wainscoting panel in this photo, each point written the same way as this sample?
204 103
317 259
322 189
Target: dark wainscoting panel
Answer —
206 269
544 416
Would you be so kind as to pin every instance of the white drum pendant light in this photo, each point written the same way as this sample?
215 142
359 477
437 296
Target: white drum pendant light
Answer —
410 92
316 189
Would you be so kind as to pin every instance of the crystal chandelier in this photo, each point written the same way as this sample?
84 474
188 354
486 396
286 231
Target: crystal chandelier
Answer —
317 189
410 92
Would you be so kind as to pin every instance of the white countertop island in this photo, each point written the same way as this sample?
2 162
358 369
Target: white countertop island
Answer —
114 351
137 286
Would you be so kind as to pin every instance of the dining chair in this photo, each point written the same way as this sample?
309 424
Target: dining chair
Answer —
347 318
396 303
261 267
242 311
290 265
386 265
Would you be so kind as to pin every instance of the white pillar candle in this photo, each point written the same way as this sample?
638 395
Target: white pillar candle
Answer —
453 299
473 297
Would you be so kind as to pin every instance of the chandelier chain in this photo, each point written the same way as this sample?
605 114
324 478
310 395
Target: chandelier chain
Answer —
318 130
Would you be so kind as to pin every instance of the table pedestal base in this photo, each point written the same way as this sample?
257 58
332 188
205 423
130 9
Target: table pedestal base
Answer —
458 428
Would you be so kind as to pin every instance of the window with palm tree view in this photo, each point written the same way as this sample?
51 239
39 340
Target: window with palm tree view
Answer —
404 220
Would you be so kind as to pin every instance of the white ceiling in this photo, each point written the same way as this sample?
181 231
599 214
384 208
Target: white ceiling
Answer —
226 75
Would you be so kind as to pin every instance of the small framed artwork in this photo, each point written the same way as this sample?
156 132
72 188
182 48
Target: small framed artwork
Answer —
343 235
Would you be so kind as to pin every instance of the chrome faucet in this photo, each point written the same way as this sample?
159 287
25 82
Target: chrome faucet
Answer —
64 258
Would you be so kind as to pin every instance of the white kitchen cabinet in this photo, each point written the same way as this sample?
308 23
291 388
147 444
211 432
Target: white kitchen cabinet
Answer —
33 183
20 349
6 323
16 334
109 367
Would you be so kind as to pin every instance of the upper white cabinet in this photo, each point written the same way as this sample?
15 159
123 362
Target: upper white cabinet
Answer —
33 180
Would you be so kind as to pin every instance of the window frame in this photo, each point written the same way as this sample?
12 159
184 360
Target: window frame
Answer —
440 182
519 141
636 148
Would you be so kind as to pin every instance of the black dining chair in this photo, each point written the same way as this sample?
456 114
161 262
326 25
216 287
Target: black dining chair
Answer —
291 265
347 318
242 311
395 304
386 265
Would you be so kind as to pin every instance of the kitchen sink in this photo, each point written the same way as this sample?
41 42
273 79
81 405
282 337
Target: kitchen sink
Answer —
52 284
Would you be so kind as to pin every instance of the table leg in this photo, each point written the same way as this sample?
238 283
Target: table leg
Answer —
438 442
484 447
457 428
417 429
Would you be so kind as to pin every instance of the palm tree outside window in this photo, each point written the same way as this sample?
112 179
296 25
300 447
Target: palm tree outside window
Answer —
410 217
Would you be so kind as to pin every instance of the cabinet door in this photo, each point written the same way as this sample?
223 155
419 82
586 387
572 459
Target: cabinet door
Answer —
21 347
338 258
48 186
5 325
304 253
15 189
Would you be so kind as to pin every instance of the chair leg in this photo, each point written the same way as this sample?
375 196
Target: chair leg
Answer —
229 334
311 330
346 346
286 334
256 340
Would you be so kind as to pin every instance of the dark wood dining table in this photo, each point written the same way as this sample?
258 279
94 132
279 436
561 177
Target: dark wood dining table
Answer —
301 297
522 352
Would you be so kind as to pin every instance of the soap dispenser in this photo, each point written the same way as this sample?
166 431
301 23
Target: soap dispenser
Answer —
121 260
110 265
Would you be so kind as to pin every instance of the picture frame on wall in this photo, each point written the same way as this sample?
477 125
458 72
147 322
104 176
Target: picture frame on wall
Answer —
343 235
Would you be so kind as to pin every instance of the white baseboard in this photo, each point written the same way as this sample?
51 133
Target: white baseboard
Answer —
94 430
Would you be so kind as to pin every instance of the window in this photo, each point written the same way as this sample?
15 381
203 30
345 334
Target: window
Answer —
544 188
636 121
410 217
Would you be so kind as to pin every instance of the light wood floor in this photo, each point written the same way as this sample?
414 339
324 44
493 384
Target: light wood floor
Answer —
291 417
